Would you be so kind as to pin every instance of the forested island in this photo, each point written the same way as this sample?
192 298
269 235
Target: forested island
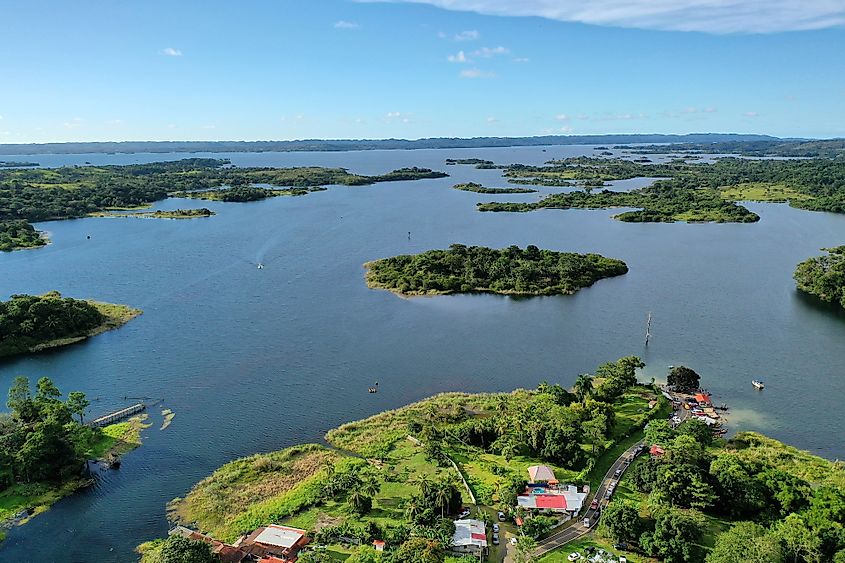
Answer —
45 194
690 191
44 446
401 477
478 188
824 276
464 269
32 323
15 164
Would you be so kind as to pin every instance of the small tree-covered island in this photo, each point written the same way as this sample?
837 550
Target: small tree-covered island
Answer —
824 276
454 477
464 269
32 323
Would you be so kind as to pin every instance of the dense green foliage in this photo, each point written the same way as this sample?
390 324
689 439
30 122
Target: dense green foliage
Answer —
478 162
478 188
683 379
19 234
178 549
29 320
511 270
18 164
691 191
824 276
828 148
74 191
39 440
797 501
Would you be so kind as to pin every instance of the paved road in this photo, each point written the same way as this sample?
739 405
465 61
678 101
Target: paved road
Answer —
575 528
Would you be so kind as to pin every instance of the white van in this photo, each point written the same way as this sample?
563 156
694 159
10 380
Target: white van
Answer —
586 522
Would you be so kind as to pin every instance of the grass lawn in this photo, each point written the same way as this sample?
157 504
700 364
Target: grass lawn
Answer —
761 191
119 438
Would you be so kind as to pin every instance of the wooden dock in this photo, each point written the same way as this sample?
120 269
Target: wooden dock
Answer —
117 415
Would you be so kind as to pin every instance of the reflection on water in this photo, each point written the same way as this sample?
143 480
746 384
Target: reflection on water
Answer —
256 360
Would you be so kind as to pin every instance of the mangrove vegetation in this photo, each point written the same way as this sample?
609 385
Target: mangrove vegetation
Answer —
478 188
824 276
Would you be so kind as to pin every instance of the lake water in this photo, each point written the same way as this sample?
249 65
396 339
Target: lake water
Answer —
256 360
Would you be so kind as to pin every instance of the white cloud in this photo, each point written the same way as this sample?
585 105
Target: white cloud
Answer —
73 123
171 52
476 73
488 52
469 35
209 126
709 16
343 24
751 114
1 117
492 120
562 117
393 114
114 122
460 57
521 60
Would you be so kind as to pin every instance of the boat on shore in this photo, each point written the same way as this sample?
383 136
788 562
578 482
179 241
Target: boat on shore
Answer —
757 383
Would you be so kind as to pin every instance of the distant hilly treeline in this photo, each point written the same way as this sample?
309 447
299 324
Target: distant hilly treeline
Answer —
366 144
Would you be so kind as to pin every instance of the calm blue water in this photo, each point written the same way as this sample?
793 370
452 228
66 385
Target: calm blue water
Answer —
256 360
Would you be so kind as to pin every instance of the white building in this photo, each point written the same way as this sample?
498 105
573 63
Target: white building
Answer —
470 537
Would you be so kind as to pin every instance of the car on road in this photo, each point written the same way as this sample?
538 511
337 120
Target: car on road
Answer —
594 505
574 556
620 545
496 528
513 540
501 516
464 512
586 522
617 473
495 539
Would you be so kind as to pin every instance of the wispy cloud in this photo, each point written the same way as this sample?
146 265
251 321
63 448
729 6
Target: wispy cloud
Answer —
343 24
488 52
459 57
492 120
73 123
689 111
398 117
171 52
709 16
476 73
521 59
751 114
562 117
469 35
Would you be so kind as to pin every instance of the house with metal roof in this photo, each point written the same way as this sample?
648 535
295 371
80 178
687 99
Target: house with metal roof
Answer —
470 537
552 499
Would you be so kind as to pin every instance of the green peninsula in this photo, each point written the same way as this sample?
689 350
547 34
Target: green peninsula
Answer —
32 323
16 235
44 447
161 214
824 276
463 269
478 188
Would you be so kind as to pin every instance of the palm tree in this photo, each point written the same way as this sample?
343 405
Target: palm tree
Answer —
412 508
370 486
442 495
424 482
583 387
358 501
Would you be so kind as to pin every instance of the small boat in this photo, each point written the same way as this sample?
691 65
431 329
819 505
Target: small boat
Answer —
260 266
757 383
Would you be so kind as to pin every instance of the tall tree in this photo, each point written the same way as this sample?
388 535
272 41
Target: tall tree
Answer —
583 387
77 403
746 542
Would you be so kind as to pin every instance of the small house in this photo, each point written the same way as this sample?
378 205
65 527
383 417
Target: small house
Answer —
656 451
281 542
470 537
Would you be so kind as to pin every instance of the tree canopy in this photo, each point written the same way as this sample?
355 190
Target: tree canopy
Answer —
824 276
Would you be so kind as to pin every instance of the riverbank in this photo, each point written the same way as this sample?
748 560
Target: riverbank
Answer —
21 502
169 214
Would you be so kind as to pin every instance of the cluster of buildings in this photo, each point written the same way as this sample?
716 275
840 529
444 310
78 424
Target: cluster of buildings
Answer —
268 544
545 493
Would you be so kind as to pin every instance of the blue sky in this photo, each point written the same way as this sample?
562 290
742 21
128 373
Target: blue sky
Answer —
131 70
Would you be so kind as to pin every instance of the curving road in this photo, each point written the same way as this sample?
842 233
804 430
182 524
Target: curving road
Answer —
575 528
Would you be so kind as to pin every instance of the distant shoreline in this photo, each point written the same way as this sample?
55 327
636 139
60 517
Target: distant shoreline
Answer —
343 145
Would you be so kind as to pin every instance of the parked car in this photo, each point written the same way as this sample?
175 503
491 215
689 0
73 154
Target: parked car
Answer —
501 516
574 556
620 545
496 528
513 540
617 473
586 522
495 539
595 504
464 512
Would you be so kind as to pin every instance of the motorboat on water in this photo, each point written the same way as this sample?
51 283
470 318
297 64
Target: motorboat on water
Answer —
757 383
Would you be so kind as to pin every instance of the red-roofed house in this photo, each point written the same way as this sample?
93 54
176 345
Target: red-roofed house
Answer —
702 398
656 451
564 499
470 537
379 545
